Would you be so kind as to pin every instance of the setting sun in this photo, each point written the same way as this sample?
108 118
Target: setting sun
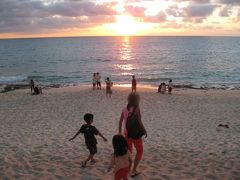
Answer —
127 25
124 25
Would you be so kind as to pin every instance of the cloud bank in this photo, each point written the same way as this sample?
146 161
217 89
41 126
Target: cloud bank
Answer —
44 16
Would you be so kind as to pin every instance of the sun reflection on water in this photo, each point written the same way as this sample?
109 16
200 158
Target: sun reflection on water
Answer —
125 64
125 50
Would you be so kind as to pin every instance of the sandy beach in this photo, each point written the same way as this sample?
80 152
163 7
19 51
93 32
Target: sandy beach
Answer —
184 140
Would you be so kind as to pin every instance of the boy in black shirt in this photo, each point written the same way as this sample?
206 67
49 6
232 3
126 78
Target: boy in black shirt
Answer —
89 132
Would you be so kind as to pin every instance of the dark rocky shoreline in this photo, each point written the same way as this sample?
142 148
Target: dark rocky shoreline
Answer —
11 87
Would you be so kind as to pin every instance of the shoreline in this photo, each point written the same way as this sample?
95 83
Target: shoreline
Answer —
12 87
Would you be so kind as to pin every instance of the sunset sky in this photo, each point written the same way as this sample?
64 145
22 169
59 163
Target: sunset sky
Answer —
52 18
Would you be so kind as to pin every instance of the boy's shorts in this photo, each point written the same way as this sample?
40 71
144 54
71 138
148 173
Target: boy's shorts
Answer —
92 148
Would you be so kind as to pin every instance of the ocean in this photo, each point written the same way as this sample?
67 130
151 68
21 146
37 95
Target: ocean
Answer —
194 62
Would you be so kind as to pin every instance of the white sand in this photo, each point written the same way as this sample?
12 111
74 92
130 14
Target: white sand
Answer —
183 141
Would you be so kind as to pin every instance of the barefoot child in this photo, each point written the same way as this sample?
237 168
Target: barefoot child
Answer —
89 132
121 160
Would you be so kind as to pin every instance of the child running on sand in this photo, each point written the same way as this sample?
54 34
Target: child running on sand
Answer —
121 160
134 84
89 132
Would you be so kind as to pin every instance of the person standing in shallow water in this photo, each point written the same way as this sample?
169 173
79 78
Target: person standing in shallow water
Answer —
134 84
133 108
98 78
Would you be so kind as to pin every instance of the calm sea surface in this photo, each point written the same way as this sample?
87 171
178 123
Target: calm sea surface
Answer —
196 61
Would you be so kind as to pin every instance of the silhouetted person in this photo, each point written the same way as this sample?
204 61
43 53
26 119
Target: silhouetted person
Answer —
159 88
37 90
32 85
170 86
108 87
134 84
94 80
98 78
89 131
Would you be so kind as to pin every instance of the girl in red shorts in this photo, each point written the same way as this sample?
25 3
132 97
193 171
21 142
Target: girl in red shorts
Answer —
121 160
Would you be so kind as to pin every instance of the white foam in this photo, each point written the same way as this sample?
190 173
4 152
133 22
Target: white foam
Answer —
12 79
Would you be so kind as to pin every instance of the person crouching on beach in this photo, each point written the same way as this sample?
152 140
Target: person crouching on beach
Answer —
89 132
134 84
108 87
121 159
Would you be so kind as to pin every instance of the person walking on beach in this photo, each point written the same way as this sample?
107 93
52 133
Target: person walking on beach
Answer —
121 159
133 128
94 80
32 85
89 132
134 84
98 78
108 87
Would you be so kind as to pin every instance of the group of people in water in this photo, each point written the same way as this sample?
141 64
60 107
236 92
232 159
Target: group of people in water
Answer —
130 133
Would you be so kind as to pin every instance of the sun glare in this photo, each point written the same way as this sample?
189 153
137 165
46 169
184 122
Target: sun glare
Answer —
125 25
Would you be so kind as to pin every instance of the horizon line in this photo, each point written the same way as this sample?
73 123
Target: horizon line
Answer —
95 36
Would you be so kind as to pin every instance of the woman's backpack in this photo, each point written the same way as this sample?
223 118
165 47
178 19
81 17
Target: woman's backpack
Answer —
134 129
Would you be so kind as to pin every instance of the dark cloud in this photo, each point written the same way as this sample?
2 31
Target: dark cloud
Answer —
78 8
160 17
199 10
195 1
230 2
33 15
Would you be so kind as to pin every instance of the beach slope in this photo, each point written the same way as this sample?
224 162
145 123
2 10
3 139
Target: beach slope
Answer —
184 140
